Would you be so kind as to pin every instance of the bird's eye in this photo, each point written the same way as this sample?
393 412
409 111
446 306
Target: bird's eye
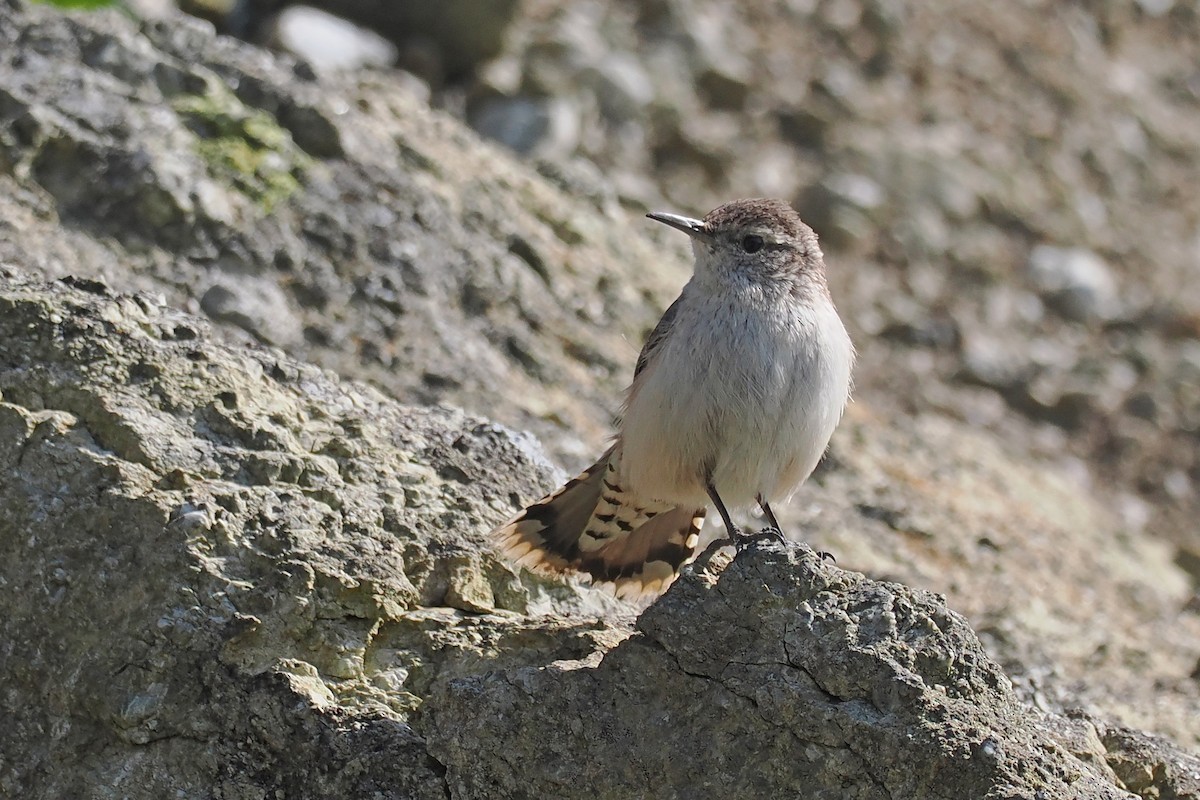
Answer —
752 243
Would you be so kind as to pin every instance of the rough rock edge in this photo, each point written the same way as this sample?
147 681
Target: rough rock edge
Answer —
846 687
94 158
226 569
186 675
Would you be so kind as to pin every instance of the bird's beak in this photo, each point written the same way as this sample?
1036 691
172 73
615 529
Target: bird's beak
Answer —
692 227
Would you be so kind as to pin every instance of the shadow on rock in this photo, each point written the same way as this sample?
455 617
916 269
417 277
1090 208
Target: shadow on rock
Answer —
781 676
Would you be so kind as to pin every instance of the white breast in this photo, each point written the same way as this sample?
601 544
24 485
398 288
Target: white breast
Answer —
748 391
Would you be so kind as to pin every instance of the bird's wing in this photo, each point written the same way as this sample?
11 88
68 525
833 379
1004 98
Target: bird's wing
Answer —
657 336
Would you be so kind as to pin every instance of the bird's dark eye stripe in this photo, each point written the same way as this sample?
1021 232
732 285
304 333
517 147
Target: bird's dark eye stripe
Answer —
752 243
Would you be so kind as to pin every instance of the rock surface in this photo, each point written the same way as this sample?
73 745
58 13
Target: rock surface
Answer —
224 571
229 575
784 677
374 237
313 548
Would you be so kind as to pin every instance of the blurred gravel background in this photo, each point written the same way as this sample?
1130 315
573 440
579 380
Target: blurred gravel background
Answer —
1006 191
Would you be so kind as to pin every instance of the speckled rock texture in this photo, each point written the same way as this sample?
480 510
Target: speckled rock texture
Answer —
846 688
230 566
229 575
226 572
343 221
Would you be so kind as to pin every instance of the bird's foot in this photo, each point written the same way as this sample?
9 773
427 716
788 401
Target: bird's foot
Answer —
701 561
766 534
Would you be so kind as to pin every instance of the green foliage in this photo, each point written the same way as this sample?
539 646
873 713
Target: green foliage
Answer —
84 4
244 147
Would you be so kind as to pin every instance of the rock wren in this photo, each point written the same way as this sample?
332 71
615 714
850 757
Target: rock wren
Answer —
733 400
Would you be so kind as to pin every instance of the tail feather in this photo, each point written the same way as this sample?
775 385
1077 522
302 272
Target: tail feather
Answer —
592 525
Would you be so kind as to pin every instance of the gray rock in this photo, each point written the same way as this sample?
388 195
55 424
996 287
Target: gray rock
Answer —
259 307
841 207
440 269
225 572
1156 8
255 578
718 57
622 86
1075 281
782 677
328 42
1148 765
466 33
541 126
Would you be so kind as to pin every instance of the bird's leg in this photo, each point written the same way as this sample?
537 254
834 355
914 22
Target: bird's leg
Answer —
766 508
771 532
735 536
776 531
730 528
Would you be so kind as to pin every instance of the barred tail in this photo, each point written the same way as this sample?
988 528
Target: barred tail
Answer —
591 525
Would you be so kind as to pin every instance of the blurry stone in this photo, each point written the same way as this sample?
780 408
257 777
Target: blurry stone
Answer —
1188 559
805 126
857 190
925 231
712 147
466 32
1091 210
544 126
954 188
580 178
1177 484
842 14
1053 353
1155 8
774 172
215 11
151 9
724 88
1142 405
1046 398
1135 512
719 62
257 306
502 74
989 362
421 57
841 81
840 207
1008 305
546 67
568 44
622 86
937 332
328 42
1074 281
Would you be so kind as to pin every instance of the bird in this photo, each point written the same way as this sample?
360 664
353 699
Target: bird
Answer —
734 398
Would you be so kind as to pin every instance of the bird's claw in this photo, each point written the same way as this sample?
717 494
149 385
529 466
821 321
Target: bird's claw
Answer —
766 534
